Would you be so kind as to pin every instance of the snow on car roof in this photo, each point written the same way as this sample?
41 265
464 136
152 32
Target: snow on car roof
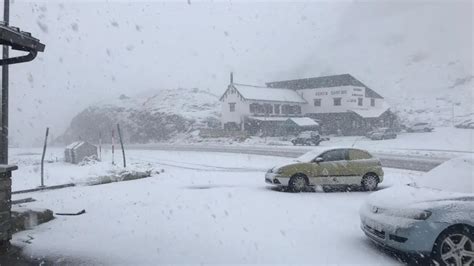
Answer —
250 92
309 156
455 175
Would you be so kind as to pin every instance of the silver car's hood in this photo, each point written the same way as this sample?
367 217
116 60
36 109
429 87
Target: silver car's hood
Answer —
406 196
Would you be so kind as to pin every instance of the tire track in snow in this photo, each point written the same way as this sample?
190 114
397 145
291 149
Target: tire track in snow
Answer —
197 167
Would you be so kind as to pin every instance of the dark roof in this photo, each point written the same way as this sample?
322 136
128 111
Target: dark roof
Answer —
324 82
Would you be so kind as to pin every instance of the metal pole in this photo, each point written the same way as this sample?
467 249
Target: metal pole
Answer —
452 114
42 157
4 129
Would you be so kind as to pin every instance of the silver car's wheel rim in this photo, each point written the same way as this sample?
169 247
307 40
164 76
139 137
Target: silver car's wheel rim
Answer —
299 183
457 249
370 183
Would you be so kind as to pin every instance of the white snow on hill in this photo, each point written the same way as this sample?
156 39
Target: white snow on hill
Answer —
194 104
453 106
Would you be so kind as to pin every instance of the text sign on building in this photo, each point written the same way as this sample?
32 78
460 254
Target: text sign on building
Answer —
333 92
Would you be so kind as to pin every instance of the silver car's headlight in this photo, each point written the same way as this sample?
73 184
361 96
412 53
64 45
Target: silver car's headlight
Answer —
411 214
405 213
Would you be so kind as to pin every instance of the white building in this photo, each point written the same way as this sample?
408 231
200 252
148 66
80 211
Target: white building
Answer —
341 103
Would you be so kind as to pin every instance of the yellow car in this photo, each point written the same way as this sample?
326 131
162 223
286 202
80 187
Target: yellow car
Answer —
330 168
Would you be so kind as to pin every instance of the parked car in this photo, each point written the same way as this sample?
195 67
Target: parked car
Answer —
432 218
466 124
329 168
308 138
420 127
383 133
369 133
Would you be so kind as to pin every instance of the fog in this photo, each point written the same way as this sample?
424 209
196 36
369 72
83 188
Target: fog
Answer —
99 50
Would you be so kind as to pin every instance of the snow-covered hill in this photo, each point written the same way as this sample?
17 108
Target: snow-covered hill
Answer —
150 116
451 105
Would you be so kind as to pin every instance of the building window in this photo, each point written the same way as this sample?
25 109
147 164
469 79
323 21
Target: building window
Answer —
337 101
253 108
256 108
232 107
285 109
276 108
268 108
360 101
372 102
297 109
317 102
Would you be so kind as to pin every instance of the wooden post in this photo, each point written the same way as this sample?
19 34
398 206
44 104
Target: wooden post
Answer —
5 90
113 146
100 146
42 157
121 144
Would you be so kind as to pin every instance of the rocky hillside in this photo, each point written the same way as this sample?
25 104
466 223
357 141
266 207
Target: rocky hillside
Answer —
147 117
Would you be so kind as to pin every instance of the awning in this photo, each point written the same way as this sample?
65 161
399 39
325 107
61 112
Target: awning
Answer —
304 121
269 119
370 113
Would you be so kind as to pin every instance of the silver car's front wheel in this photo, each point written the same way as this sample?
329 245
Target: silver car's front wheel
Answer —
455 248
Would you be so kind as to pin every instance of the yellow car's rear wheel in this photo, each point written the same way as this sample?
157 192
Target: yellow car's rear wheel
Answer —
370 182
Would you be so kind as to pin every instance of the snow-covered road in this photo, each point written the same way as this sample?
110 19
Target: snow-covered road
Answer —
413 151
388 158
205 208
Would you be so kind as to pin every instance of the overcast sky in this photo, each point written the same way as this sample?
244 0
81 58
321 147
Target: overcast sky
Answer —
96 50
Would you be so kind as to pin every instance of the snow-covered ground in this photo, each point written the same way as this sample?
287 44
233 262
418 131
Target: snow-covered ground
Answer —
204 208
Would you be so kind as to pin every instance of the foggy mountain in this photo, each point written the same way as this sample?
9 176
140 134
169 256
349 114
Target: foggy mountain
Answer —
408 52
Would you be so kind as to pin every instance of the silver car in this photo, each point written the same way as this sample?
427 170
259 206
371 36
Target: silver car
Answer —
433 217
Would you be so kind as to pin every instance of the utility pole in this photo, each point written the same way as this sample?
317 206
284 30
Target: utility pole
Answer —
4 129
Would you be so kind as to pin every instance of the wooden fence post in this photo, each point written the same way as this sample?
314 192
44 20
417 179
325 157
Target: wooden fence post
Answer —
100 146
121 144
113 146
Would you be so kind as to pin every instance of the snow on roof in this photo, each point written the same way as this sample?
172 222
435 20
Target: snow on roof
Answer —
304 121
74 145
324 82
250 92
263 118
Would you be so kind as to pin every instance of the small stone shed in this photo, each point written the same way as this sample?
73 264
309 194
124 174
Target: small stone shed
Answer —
77 151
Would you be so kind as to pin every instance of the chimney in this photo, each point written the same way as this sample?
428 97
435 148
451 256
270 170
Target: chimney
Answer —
231 77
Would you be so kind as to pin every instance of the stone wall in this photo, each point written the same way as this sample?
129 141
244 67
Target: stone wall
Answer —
5 203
